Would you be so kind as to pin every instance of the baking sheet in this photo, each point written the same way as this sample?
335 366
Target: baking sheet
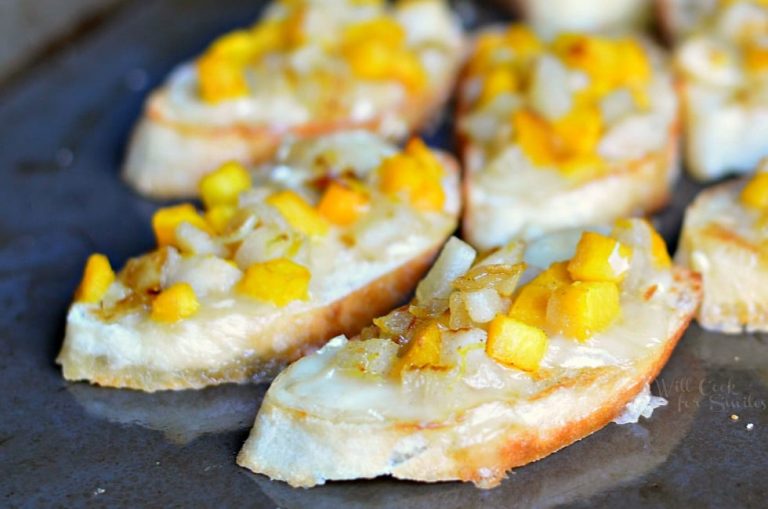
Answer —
63 126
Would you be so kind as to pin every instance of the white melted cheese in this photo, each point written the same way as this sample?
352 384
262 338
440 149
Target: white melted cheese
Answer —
317 385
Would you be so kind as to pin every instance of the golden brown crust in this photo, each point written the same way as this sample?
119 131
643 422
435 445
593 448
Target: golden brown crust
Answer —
308 332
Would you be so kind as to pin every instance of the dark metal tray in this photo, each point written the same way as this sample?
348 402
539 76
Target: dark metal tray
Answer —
63 126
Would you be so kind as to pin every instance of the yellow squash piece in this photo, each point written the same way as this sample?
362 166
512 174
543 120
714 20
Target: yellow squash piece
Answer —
299 214
97 278
755 193
218 217
499 80
422 351
514 343
583 309
342 205
659 253
415 173
166 220
599 258
223 186
278 281
530 304
220 79
175 303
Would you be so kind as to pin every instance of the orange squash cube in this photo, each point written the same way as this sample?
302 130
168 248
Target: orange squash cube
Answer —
583 308
514 343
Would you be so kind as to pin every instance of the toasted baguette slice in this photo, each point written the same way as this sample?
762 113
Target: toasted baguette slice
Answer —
724 74
303 75
460 408
237 301
553 16
723 239
522 180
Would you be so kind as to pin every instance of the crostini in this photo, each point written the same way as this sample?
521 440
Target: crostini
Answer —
606 16
556 134
338 230
725 239
307 68
498 362
723 68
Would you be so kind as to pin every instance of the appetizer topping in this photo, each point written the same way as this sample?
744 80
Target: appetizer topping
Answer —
377 50
514 343
564 97
583 308
729 49
349 40
422 351
223 186
176 302
416 175
531 302
219 217
599 258
98 276
755 192
278 281
341 204
299 214
166 221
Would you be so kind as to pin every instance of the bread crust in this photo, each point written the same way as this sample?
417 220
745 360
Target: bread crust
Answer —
477 445
167 159
307 332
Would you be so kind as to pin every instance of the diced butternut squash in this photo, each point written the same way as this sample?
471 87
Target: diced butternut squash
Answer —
583 309
278 281
659 253
755 193
405 175
175 303
514 343
422 351
530 304
224 185
497 81
376 50
342 205
237 46
382 29
523 40
599 258
268 36
756 57
218 217
166 220
98 276
535 137
417 149
220 79
299 214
